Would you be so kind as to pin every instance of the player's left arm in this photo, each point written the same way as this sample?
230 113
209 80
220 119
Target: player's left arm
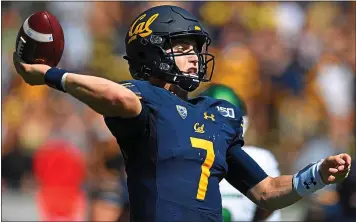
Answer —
283 191
271 193
275 193
270 165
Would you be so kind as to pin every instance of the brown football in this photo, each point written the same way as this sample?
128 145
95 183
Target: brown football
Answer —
40 39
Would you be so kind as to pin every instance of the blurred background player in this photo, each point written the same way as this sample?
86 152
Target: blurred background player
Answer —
236 206
60 172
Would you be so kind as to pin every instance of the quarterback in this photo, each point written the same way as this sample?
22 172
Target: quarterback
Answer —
176 149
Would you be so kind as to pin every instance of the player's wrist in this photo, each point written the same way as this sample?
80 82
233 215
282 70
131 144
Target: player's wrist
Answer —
56 78
308 180
322 176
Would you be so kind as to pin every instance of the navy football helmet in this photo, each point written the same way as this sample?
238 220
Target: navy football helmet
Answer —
150 37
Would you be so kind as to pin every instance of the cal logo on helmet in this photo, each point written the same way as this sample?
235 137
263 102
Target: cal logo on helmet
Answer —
141 27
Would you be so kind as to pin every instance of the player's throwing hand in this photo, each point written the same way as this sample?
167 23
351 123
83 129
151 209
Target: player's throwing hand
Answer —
31 74
335 169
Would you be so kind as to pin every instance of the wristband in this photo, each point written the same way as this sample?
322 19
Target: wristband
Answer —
308 180
54 78
63 81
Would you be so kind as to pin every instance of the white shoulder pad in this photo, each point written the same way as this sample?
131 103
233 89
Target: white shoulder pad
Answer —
265 159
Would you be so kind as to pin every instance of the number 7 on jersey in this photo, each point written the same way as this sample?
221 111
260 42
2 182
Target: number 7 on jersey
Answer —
205 168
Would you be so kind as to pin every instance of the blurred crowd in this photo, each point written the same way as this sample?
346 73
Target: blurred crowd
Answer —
293 63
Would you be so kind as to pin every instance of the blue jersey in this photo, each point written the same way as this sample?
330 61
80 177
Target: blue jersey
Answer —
176 153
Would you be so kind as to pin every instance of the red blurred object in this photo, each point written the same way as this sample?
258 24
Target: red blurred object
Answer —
60 171
58 163
40 39
61 205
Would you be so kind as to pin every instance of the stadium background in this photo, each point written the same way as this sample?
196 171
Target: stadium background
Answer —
292 62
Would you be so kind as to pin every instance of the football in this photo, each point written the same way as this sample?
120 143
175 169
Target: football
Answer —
40 39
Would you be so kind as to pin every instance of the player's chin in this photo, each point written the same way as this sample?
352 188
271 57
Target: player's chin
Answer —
189 84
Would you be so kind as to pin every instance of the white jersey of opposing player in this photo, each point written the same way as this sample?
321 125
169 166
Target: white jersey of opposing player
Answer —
238 205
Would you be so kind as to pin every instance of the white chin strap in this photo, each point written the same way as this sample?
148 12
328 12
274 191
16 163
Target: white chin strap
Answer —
194 75
245 125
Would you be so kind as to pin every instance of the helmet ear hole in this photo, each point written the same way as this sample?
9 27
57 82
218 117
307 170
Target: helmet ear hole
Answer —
142 55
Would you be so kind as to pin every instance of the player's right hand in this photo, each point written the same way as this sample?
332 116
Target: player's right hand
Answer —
33 74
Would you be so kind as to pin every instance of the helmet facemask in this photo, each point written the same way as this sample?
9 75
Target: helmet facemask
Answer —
189 81
158 59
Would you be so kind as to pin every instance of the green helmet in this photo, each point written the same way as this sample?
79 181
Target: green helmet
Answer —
223 92
226 93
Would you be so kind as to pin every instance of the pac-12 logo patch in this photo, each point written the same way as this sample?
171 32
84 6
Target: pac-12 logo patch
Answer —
182 111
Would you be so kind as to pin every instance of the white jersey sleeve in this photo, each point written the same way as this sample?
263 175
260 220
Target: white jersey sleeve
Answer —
238 206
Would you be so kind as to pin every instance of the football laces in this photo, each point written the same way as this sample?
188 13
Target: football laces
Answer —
20 46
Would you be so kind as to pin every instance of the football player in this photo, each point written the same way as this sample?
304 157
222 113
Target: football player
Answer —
236 206
176 149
